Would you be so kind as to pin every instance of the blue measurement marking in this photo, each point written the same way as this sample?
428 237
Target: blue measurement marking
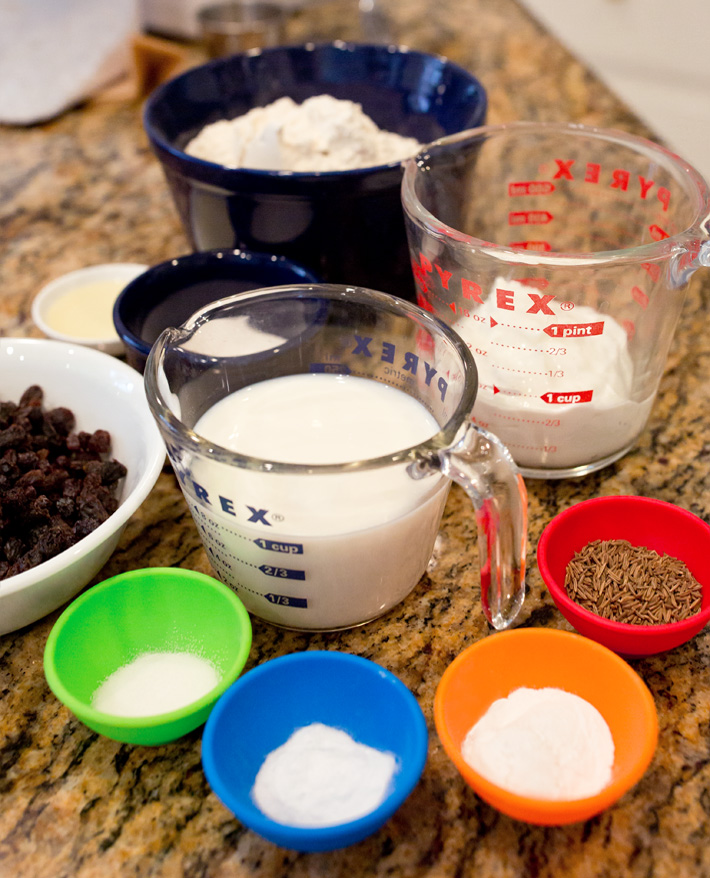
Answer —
274 546
335 368
286 600
282 572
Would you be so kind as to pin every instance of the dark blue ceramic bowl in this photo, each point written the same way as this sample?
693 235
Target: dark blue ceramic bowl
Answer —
267 704
167 294
346 226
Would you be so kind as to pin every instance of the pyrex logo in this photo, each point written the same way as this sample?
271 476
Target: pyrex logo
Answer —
257 515
618 178
408 361
254 514
531 302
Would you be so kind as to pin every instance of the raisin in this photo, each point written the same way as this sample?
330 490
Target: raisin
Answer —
13 549
40 508
13 436
112 471
56 485
29 560
65 507
61 420
7 412
54 538
27 460
9 466
32 396
100 442
84 527
32 477
73 442
90 507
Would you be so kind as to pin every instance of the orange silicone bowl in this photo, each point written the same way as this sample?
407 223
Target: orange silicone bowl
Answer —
537 657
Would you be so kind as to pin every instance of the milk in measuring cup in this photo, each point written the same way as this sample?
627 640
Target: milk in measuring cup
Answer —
553 396
317 551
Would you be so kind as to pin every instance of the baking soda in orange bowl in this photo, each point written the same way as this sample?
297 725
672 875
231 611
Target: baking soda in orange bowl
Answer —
527 686
143 657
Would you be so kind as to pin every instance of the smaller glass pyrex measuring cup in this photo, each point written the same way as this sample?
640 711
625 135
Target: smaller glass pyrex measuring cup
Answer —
323 545
560 254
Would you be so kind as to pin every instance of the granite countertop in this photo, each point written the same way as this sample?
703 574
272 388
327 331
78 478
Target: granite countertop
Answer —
85 189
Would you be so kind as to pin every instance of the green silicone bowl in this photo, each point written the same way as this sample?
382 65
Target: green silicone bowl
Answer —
157 609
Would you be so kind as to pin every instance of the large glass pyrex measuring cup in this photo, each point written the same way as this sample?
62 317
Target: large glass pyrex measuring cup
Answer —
560 254
316 537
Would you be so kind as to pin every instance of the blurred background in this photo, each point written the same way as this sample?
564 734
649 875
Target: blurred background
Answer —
653 53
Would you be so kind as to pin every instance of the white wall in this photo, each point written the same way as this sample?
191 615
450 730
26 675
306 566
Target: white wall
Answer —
655 54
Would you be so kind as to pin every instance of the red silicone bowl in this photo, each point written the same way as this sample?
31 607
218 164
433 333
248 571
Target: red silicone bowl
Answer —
642 521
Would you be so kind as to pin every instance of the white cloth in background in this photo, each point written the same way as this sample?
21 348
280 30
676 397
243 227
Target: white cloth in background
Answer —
56 53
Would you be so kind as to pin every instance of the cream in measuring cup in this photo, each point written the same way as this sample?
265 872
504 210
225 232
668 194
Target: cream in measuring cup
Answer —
572 398
560 255
317 470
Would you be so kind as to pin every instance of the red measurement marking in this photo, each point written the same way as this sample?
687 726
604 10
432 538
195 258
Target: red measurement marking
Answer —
425 341
494 389
540 246
653 270
530 187
639 296
574 330
515 393
529 217
518 347
519 372
567 398
540 283
495 322
542 422
657 233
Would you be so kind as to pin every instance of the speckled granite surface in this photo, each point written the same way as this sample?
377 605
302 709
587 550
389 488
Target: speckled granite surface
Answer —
86 189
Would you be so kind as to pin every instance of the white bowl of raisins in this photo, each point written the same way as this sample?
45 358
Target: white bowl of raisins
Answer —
79 453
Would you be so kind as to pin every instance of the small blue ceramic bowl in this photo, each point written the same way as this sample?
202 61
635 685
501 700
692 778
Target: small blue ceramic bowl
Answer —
346 226
167 294
262 709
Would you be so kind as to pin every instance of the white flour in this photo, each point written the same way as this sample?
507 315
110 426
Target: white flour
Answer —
519 364
154 683
321 134
544 743
322 777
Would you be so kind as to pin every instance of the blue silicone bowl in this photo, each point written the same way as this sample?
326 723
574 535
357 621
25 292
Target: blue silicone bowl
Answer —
261 710
346 226
169 293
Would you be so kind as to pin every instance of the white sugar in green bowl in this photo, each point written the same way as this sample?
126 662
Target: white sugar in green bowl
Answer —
170 613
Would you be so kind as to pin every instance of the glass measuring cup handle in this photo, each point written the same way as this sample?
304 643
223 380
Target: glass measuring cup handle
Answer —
484 468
